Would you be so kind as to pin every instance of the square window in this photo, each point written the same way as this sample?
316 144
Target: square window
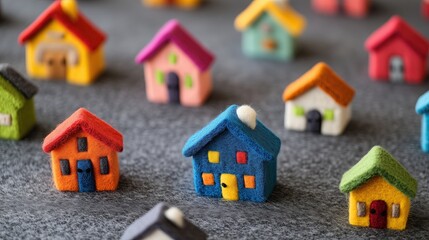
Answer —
241 157
208 179
65 167
213 156
104 165
5 119
328 115
298 111
82 144
172 58
249 181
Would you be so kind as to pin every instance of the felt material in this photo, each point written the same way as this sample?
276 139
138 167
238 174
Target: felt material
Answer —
82 145
378 214
397 39
208 179
376 189
65 166
85 176
156 219
81 27
290 20
173 31
186 4
159 66
249 181
83 120
379 162
104 165
322 76
16 104
395 210
425 8
213 156
96 150
361 209
422 108
228 135
247 115
241 157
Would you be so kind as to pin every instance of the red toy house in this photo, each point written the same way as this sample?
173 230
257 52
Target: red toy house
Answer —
355 8
397 52
425 8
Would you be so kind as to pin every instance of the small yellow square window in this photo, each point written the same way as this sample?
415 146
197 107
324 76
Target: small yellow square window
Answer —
213 156
249 181
208 179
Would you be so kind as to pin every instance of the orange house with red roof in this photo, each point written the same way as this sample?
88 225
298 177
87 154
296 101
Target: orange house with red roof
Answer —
63 44
84 153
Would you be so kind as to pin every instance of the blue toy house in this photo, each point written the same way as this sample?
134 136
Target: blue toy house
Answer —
422 108
234 157
270 29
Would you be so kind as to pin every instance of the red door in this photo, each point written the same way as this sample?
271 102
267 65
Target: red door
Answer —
378 214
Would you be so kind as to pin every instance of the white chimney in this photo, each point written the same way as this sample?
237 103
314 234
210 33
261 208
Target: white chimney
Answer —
247 115
175 216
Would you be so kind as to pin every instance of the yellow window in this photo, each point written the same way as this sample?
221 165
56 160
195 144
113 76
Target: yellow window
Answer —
208 179
213 156
249 181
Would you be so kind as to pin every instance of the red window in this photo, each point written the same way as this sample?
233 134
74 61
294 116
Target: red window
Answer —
241 157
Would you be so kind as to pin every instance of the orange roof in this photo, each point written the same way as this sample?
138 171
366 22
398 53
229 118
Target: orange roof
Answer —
322 76
83 120
289 19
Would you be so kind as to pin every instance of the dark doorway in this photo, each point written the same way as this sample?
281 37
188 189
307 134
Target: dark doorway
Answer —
314 121
56 64
173 85
85 176
378 214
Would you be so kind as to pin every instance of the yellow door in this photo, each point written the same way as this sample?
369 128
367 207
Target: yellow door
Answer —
229 187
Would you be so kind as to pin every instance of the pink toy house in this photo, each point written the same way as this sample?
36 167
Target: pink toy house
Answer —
397 53
425 8
354 8
177 68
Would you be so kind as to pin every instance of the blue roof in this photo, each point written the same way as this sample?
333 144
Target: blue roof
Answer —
422 105
261 139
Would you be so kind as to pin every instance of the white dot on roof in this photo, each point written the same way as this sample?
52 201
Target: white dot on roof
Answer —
247 115
176 216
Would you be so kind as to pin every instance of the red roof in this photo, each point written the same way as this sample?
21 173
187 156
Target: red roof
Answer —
83 120
397 27
81 27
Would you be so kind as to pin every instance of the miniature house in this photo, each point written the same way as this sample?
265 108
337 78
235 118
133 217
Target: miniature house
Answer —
354 8
318 102
422 108
186 4
270 30
17 114
177 68
397 53
425 8
379 191
84 154
63 45
163 223
234 157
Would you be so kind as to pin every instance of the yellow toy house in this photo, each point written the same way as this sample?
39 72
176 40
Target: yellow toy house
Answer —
380 190
62 44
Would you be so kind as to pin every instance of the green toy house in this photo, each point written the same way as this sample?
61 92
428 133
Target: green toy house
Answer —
270 29
17 114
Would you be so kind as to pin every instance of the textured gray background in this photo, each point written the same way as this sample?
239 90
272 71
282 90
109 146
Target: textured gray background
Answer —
306 202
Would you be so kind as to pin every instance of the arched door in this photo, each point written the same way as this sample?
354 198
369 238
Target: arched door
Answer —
378 214
396 69
85 176
314 121
173 86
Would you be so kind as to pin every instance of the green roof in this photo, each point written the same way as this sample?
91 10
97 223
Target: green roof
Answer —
378 162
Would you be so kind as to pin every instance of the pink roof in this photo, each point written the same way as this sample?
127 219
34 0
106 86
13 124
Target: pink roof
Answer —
173 31
397 27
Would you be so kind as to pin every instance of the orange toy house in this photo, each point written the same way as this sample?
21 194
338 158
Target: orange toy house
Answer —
84 153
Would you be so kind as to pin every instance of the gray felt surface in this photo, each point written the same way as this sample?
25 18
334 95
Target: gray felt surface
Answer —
306 202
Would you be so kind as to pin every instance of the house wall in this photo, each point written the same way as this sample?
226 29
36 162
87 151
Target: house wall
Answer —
379 61
319 100
357 8
425 133
254 36
228 145
96 149
88 66
26 117
189 96
379 189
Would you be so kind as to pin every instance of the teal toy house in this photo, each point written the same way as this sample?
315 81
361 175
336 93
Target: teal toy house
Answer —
270 29
234 157
422 108
17 114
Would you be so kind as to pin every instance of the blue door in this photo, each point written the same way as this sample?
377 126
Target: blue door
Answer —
85 176
173 87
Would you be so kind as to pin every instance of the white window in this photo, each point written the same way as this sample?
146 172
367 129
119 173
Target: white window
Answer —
5 119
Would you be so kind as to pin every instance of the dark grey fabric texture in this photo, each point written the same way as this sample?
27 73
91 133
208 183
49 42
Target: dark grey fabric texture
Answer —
306 203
